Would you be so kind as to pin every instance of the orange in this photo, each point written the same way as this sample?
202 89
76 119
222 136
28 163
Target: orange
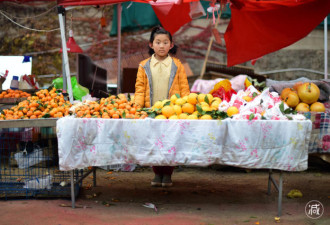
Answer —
188 108
168 111
192 117
192 98
161 117
209 97
173 117
201 97
206 117
180 101
183 116
177 109
232 110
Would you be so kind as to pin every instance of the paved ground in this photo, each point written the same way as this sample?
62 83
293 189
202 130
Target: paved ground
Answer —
201 196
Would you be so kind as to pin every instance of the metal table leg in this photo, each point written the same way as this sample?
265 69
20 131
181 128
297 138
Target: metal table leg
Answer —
278 187
279 209
73 199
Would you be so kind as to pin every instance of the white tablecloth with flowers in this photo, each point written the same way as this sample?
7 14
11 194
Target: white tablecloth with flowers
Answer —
281 144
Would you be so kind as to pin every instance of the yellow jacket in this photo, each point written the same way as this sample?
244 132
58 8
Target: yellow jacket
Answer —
178 83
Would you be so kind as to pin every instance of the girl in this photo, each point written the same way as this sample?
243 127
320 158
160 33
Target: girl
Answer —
158 78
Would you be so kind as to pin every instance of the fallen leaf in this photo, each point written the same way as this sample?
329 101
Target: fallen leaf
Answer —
257 223
109 172
115 200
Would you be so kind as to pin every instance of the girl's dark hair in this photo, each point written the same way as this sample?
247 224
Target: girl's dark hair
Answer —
159 30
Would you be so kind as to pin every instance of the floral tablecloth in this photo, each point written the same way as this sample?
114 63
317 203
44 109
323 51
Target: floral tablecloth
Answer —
268 144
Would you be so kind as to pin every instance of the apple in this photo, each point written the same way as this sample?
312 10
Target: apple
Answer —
308 92
302 107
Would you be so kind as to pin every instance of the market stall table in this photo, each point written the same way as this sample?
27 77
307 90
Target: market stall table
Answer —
256 144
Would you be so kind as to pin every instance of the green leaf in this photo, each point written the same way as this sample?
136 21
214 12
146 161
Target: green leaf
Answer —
152 114
251 116
177 95
21 108
208 112
254 94
199 109
167 103
289 117
222 115
158 110
115 109
128 97
281 107
47 115
263 118
124 115
206 99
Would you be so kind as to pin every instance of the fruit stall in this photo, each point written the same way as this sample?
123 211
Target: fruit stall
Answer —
246 128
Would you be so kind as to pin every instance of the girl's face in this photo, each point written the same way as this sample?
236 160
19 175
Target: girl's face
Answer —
161 45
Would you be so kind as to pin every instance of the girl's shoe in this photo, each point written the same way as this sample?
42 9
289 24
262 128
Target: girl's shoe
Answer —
157 181
167 181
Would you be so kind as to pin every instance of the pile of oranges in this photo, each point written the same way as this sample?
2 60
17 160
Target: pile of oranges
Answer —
113 107
193 106
14 94
45 104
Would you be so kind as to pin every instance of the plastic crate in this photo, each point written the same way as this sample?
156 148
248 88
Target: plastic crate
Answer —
29 165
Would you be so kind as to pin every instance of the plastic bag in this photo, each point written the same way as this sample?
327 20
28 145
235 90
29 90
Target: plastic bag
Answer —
78 91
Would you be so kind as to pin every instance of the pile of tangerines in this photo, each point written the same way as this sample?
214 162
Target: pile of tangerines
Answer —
14 94
113 107
45 104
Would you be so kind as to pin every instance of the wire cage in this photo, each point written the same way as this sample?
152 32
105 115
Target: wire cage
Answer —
29 164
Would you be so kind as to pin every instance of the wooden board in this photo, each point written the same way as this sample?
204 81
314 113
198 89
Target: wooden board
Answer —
11 100
42 122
